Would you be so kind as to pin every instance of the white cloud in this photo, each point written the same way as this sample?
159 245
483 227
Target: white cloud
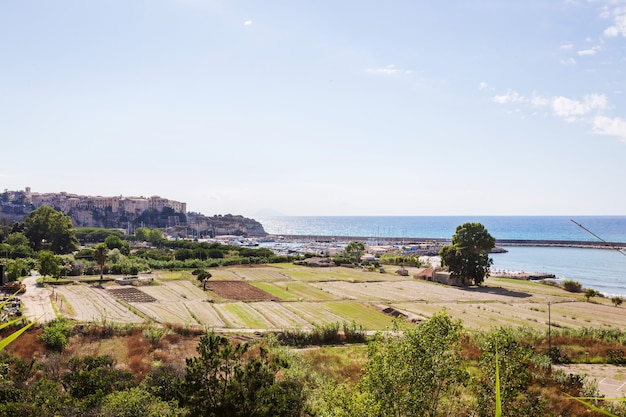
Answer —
389 70
585 52
509 97
539 101
571 109
568 61
619 24
247 23
567 46
606 126
482 85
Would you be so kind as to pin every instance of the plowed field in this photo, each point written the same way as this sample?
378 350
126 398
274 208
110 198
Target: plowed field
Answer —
238 290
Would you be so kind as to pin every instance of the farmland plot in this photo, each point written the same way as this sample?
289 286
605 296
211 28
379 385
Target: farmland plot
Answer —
277 291
166 312
224 275
324 274
237 290
390 291
314 313
368 317
186 290
241 315
291 290
205 313
339 274
279 316
265 274
95 304
165 292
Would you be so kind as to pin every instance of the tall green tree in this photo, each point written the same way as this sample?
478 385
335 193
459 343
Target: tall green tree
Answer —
16 268
100 255
155 236
142 234
49 263
49 229
467 257
414 372
354 251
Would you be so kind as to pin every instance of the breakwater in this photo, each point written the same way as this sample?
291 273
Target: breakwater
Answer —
372 240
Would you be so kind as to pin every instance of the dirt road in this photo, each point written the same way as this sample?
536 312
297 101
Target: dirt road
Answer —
36 301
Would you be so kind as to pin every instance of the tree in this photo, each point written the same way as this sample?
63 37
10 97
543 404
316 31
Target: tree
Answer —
17 239
516 366
90 378
48 263
617 300
16 268
155 236
354 251
47 228
142 234
227 380
468 256
590 292
100 255
115 242
411 373
202 276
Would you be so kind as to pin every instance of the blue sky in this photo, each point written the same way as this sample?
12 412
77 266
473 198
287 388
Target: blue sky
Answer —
319 108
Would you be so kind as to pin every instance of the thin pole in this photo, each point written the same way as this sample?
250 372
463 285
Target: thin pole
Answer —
598 237
549 332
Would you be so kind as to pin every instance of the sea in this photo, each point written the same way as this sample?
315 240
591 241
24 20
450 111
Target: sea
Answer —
601 269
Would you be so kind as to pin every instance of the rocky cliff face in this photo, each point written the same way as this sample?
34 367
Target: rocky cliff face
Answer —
203 226
177 224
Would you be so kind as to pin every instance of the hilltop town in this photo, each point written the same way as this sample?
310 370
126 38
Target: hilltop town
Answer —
124 212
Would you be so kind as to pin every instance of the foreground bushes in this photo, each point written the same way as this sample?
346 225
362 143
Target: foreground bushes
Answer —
434 368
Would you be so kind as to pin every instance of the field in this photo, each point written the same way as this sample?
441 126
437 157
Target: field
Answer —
278 297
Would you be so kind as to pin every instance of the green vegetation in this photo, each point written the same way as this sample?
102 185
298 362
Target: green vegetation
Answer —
572 286
468 256
224 381
324 334
354 251
434 368
49 229
56 335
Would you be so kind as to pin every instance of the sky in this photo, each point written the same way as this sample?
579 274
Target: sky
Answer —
486 107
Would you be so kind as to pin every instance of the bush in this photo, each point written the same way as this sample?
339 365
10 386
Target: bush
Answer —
572 286
55 335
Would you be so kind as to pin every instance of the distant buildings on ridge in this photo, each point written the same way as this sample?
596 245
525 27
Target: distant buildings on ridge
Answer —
66 202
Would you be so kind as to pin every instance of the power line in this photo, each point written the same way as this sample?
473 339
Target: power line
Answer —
598 237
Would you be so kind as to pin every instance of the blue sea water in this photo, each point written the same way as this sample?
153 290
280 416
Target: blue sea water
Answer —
609 228
601 269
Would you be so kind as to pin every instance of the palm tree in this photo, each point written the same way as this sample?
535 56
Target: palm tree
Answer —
101 254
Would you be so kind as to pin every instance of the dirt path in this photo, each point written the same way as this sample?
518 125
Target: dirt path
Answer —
36 301
611 379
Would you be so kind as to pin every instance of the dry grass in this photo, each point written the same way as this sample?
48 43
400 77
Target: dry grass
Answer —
341 363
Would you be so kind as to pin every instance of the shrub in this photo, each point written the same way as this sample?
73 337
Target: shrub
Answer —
572 286
55 335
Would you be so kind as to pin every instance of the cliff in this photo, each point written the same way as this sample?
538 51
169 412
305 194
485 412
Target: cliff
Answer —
128 213
199 225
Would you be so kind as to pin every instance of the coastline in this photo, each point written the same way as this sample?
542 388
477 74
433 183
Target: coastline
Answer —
378 241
